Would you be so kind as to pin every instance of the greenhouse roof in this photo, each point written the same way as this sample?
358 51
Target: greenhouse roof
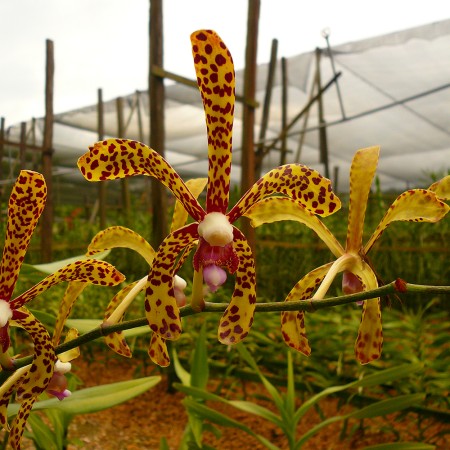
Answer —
395 92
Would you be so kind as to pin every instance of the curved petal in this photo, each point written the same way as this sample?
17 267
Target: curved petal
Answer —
362 171
120 158
275 209
293 322
114 237
161 307
73 353
442 188
180 215
26 203
116 341
296 181
73 291
91 271
238 317
215 78
370 334
158 351
415 205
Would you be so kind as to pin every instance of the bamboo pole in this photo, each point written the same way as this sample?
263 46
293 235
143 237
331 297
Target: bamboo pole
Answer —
248 119
47 151
157 131
266 108
102 184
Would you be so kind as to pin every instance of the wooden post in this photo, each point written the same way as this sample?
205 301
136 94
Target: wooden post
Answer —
2 151
125 182
157 131
248 120
47 151
102 184
23 145
259 156
284 88
322 126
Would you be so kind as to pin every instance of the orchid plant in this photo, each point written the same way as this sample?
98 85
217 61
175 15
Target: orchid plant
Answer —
414 205
220 246
26 203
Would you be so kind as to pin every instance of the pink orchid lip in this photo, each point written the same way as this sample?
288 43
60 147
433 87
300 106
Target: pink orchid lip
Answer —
214 276
60 395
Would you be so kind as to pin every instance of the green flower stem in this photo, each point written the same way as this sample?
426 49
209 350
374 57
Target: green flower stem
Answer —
398 286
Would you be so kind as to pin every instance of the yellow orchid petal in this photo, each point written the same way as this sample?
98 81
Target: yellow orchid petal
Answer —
275 209
370 334
73 291
18 426
296 181
6 391
114 237
26 203
293 322
442 188
160 304
120 158
238 317
116 341
362 171
90 271
158 351
215 78
180 215
415 205
73 353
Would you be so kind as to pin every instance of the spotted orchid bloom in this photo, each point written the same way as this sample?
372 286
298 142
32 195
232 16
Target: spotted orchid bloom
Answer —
26 204
115 237
221 246
416 205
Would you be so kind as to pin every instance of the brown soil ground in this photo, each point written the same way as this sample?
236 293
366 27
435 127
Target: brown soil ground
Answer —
143 421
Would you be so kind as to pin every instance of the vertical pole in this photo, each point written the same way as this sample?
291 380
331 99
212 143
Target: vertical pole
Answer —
248 122
125 184
102 184
284 86
2 152
157 132
47 215
266 108
322 125
23 144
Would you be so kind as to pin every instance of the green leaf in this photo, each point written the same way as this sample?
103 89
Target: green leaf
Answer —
387 406
401 446
375 379
96 398
42 435
199 367
49 268
86 325
163 444
181 372
214 416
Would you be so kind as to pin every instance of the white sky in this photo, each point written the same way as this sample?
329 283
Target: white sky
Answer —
104 43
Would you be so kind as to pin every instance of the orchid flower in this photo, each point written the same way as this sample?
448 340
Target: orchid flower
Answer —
114 237
221 246
26 204
416 205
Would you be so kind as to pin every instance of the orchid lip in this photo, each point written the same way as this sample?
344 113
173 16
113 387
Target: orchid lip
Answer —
5 312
